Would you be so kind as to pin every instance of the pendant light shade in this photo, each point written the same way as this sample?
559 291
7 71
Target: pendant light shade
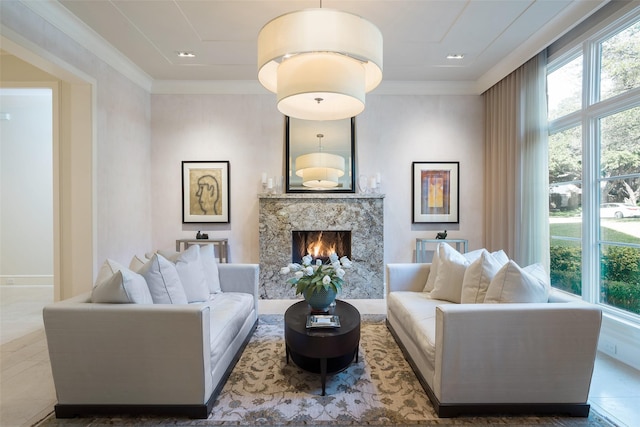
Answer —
320 177
320 63
320 161
319 169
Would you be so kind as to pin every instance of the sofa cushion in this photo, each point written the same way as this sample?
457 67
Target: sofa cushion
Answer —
118 285
163 281
513 284
191 272
210 264
451 269
416 311
479 274
228 312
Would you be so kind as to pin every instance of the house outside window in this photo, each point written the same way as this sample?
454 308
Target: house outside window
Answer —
594 168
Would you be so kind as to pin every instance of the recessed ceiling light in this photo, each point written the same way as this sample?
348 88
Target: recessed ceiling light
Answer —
455 56
186 54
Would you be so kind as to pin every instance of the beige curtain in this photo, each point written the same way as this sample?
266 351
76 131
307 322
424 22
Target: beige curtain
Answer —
516 178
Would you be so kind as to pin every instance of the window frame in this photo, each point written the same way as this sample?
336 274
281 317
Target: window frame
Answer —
588 118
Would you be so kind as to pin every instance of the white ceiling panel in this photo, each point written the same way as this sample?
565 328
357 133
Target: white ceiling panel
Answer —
418 34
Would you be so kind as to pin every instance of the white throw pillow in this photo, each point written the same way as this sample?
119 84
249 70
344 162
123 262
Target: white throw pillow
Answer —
479 275
192 276
433 271
451 269
210 264
137 262
163 281
118 285
515 284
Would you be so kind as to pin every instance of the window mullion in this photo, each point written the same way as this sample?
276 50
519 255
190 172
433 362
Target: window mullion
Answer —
590 175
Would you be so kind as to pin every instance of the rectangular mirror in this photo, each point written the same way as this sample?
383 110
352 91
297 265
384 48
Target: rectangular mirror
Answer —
320 155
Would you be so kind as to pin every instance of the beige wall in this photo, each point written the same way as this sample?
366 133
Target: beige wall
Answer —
103 166
247 130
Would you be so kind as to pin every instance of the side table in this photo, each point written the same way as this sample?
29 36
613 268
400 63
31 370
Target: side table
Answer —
221 246
322 350
462 246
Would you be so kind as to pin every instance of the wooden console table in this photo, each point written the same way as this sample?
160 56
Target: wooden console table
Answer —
220 246
462 246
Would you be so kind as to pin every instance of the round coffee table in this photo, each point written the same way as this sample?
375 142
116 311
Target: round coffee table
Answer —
322 350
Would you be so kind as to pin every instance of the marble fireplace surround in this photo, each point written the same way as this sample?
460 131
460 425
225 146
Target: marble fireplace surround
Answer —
362 214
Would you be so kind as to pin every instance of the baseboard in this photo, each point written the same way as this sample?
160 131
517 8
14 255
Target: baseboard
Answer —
23 280
447 410
191 411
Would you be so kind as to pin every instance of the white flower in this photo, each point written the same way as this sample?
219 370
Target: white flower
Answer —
298 275
306 260
333 258
308 271
318 262
326 280
336 264
340 273
285 270
346 262
294 267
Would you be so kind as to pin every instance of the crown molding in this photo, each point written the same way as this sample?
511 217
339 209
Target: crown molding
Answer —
253 87
562 23
58 16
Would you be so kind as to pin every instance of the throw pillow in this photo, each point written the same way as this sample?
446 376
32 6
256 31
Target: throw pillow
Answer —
479 275
137 262
119 285
515 284
451 269
210 264
192 276
433 271
163 281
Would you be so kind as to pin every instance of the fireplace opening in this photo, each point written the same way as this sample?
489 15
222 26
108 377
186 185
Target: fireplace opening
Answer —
320 244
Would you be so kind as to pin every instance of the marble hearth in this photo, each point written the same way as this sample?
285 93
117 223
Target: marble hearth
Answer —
280 214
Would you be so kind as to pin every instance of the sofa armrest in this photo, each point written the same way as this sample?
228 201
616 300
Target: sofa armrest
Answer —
515 353
407 277
129 353
240 278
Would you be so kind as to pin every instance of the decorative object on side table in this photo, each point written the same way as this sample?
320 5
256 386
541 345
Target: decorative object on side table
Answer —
442 235
317 282
201 236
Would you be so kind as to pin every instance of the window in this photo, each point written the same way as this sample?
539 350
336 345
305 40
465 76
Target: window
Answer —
594 169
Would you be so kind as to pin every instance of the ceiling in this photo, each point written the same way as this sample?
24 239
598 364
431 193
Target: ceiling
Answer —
495 37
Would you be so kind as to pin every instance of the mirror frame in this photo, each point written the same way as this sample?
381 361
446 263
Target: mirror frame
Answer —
349 163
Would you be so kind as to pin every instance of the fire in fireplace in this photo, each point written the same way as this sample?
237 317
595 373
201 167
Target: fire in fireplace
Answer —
320 244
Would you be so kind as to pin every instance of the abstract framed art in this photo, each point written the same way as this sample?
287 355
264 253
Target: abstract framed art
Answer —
435 192
205 192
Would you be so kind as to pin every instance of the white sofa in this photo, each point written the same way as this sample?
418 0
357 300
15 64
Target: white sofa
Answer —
482 359
161 359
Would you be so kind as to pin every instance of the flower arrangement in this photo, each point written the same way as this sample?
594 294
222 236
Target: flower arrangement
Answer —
310 276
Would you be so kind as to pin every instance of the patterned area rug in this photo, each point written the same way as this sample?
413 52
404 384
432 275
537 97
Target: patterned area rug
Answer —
380 389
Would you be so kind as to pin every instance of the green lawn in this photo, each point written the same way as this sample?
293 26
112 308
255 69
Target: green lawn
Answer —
573 230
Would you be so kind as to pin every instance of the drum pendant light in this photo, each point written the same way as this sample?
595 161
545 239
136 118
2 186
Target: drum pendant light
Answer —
320 63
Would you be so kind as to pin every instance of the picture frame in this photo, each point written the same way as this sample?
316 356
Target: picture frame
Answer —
436 192
205 192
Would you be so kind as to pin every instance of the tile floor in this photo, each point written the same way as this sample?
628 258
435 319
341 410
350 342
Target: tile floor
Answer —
27 394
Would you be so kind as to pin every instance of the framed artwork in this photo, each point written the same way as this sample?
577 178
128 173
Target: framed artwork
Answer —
205 192
436 192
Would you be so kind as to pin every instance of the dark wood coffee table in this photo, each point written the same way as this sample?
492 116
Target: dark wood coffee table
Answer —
322 350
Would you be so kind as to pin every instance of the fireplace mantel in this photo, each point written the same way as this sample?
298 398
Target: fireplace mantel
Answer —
311 195
362 214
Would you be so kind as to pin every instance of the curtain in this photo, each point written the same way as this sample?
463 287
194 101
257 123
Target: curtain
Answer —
516 164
